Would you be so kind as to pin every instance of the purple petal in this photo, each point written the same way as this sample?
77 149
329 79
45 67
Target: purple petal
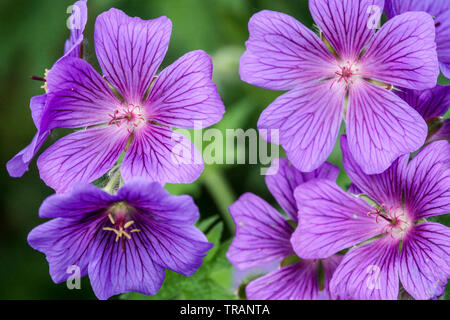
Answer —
282 53
427 191
430 103
368 272
440 11
381 127
384 188
330 220
81 200
329 267
78 19
442 133
66 243
262 234
184 94
130 51
425 261
403 52
81 97
283 183
347 24
82 156
160 154
308 120
297 281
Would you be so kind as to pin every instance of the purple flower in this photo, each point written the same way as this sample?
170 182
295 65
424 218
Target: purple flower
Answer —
394 241
125 241
440 10
345 75
129 51
263 236
19 164
432 104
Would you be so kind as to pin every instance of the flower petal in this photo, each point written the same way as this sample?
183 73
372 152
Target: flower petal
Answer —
381 127
347 24
427 190
82 156
81 200
283 183
78 19
443 132
130 51
262 234
403 52
184 94
66 243
425 261
329 268
160 154
80 97
308 120
440 11
384 188
297 281
330 220
368 272
282 53
430 103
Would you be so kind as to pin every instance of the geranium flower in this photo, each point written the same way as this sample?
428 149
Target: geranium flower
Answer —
128 109
440 10
124 242
263 236
19 164
394 241
352 64
432 104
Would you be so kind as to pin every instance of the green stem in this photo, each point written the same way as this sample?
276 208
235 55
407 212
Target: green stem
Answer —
221 192
112 182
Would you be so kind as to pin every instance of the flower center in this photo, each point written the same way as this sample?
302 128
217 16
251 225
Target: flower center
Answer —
132 116
119 217
395 220
346 73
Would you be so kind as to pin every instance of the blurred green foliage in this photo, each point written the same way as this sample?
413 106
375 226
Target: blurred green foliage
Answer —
32 35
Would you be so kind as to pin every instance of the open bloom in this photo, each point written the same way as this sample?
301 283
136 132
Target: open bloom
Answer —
440 10
394 241
432 104
137 115
263 236
19 164
125 241
345 75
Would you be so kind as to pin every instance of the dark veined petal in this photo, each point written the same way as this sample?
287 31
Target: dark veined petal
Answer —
78 19
425 261
381 127
130 51
282 53
368 272
286 178
83 156
297 281
330 220
403 52
347 24
184 94
308 120
427 190
262 234
160 154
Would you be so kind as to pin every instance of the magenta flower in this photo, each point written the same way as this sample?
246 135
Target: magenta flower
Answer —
125 241
394 241
19 164
432 104
263 236
440 10
346 75
136 115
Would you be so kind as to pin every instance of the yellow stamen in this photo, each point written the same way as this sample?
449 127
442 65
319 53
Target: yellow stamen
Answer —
129 223
111 218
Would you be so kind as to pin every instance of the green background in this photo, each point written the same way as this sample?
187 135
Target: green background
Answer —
32 35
